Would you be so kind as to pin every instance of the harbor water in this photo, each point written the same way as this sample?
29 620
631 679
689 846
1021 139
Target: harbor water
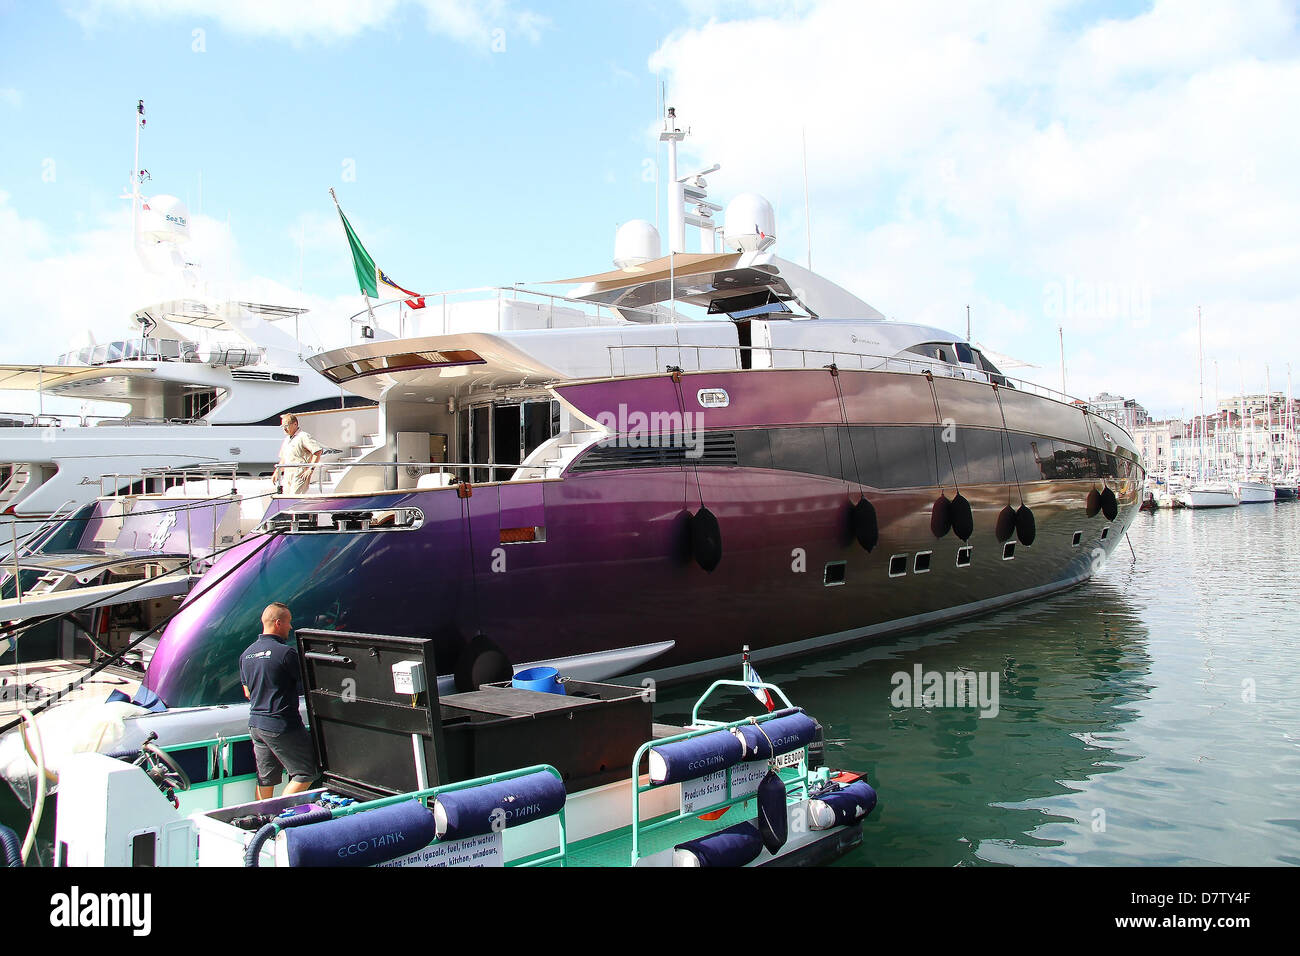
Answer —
1147 717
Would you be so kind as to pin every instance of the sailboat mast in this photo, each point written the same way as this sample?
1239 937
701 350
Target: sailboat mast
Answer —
1200 366
1268 442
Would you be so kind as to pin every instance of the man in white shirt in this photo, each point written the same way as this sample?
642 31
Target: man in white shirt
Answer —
299 449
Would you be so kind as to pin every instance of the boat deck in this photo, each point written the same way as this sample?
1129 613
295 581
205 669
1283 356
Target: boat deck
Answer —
23 686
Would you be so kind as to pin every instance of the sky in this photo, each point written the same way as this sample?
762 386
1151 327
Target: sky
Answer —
1092 170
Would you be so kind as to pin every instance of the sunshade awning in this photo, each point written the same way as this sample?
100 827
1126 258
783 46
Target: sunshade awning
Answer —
29 378
679 264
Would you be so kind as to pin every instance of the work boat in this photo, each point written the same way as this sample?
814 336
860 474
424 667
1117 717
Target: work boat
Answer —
625 489
535 771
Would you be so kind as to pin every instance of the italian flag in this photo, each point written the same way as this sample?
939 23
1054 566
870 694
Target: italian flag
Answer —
369 276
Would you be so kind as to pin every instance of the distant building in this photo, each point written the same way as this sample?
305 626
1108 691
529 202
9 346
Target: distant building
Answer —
1125 412
1163 446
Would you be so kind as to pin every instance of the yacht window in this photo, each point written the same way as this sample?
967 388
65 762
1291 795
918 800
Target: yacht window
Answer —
941 355
964 353
834 573
963 557
309 522
197 404
897 565
1008 551
921 565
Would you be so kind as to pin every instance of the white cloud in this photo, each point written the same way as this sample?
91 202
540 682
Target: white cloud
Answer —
985 153
466 21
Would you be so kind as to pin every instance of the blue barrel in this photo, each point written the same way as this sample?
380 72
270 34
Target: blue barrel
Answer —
544 679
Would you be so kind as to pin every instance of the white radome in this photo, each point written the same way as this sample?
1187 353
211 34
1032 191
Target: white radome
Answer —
750 223
635 243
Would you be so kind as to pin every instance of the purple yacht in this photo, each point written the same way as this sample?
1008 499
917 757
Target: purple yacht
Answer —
687 454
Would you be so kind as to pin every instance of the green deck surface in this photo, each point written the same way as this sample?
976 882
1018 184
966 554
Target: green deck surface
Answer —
615 848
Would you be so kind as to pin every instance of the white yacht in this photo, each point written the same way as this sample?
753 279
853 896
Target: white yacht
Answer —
204 384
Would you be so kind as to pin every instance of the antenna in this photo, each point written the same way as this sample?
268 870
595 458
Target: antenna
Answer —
135 175
676 221
807 213
1060 331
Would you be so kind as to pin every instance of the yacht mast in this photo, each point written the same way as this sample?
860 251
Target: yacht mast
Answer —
1200 365
135 177
1268 442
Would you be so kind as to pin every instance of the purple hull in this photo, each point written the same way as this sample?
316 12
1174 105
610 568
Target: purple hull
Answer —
616 569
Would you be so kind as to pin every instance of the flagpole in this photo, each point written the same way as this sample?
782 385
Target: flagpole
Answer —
369 311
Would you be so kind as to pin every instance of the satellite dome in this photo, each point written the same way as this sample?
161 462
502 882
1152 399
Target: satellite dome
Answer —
749 223
636 242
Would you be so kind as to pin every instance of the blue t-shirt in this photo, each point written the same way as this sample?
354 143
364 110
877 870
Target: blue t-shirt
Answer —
269 669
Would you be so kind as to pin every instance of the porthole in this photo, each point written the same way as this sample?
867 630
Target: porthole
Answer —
897 565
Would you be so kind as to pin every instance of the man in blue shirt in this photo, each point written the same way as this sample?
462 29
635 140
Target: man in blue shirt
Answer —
272 683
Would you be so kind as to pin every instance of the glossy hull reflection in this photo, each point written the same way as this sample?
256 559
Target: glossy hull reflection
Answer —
616 570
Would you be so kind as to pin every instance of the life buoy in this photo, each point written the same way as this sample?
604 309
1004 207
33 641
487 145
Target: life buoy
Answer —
481 662
963 522
940 516
1006 525
865 527
1109 504
1093 504
706 539
1026 527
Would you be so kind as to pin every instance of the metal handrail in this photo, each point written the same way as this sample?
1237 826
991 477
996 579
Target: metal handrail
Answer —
52 420
428 467
500 294
47 527
882 363
800 782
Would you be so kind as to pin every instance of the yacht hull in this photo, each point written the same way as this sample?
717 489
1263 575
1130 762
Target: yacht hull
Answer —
1209 498
612 565
1253 492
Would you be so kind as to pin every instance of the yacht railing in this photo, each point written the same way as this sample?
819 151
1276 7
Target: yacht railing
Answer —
30 420
500 294
450 469
164 478
162 350
33 539
825 357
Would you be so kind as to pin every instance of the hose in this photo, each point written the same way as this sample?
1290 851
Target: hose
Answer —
13 855
38 806
254 851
